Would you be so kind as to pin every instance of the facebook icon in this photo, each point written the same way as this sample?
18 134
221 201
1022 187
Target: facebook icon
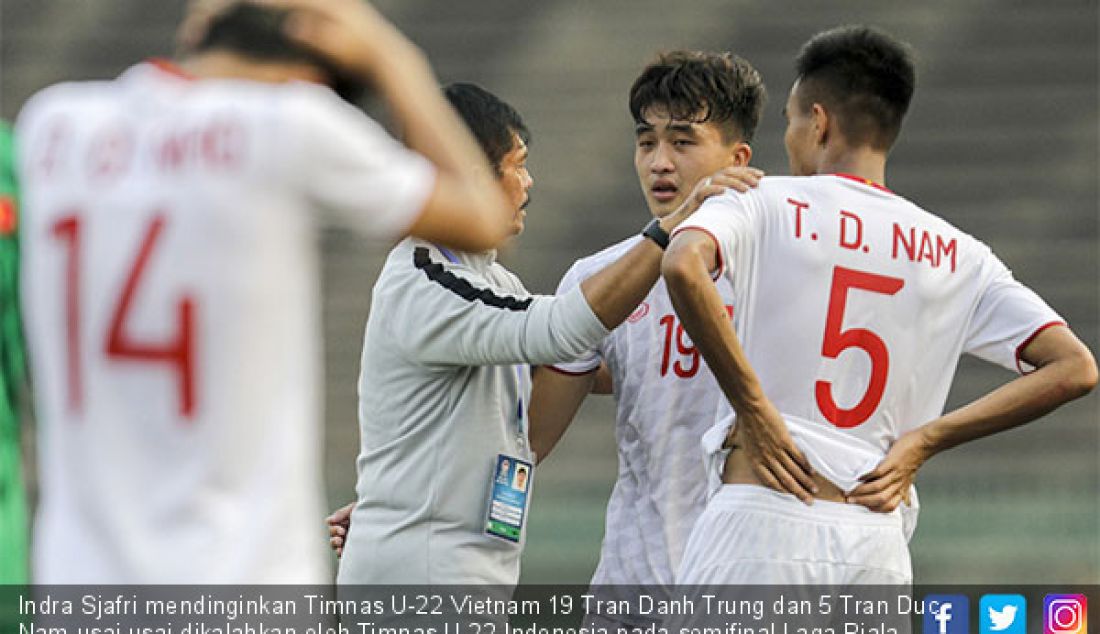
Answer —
946 614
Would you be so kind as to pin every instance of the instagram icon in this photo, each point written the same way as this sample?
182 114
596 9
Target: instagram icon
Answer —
1065 614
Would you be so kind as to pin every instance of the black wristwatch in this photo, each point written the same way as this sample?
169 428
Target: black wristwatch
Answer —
654 232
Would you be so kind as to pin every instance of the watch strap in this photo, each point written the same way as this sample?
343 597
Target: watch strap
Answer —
654 232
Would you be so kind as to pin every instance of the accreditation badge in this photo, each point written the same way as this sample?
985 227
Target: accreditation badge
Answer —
509 492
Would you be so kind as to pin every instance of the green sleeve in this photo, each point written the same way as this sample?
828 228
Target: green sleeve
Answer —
12 362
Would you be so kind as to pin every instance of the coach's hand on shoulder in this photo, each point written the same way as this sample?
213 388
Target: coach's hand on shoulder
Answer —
740 179
338 524
776 461
888 484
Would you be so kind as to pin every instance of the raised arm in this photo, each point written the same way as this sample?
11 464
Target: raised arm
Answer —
542 329
466 209
776 461
1065 370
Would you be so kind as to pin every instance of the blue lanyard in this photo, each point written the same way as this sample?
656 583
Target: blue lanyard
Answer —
521 422
451 257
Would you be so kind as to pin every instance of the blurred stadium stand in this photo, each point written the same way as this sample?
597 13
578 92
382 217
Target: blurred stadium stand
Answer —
1002 140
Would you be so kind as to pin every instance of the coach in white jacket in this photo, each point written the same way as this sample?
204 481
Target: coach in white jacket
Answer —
445 380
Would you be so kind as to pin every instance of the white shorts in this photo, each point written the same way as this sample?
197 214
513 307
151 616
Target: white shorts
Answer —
750 534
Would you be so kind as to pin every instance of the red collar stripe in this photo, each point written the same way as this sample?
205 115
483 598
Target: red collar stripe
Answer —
865 181
169 67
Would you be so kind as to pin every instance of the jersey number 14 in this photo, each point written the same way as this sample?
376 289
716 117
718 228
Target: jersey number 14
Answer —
177 352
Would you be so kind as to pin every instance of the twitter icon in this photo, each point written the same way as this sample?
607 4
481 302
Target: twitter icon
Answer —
1003 614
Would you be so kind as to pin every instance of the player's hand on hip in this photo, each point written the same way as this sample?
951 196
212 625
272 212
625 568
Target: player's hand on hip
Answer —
338 525
886 486
775 460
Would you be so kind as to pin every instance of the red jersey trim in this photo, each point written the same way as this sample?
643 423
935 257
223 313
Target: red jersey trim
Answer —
865 181
717 249
169 67
570 372
1020 348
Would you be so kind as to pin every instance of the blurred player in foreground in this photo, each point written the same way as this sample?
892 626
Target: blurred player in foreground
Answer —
853 305
171 281
445 384
695 113
13 506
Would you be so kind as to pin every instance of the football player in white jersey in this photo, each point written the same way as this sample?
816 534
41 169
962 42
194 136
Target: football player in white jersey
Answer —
695 113
445 384
171 275
853 307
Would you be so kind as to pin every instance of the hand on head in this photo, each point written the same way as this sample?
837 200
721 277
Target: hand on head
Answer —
197 19
350 34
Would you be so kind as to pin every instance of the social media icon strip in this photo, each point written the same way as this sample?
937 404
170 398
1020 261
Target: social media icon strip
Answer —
1002 614
946 614
1065 614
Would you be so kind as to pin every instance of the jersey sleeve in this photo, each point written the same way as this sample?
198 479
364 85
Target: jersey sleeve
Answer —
1008 316
589 360
350 166
448 314
728 220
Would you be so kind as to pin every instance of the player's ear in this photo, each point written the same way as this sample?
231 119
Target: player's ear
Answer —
820 120
741 154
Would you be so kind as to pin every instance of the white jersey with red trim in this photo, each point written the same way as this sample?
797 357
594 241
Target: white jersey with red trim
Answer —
665 399
172 311
854 306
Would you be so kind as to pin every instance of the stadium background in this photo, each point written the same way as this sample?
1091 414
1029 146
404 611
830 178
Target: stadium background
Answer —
1002 140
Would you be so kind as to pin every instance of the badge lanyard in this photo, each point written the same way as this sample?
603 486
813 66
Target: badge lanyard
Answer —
521 420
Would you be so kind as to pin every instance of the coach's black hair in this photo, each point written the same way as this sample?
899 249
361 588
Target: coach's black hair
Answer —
862 74
702 87
256 32
492 121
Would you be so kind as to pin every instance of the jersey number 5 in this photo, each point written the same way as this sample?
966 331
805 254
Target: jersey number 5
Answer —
837 341
178 352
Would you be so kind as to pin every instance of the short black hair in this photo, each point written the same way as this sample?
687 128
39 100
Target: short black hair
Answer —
493 122
702 87
864 75
256 32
